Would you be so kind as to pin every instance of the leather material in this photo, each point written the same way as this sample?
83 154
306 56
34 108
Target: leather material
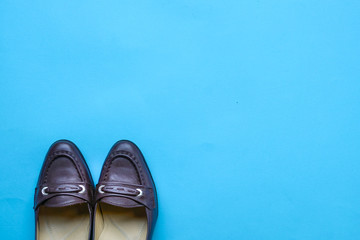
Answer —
64 179
125 181
126 195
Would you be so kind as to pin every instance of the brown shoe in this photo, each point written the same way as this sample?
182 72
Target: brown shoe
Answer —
64 194
126 202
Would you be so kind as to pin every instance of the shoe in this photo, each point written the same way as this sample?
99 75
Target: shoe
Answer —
64 195
125 198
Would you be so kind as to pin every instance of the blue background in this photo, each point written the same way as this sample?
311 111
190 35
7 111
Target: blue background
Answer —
246 111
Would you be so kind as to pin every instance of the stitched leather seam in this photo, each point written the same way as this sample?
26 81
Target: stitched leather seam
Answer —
72 158
127 154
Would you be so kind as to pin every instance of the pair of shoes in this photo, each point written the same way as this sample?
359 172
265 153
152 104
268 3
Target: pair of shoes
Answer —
123 205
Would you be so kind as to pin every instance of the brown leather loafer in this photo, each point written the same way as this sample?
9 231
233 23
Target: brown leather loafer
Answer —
64 195
126 202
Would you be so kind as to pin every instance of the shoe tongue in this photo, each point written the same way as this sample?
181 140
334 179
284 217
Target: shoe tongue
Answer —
121 202
62 201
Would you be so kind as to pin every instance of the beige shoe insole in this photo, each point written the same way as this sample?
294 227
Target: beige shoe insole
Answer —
116 223
64 223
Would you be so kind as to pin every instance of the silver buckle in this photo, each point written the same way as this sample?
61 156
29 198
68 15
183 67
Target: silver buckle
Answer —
45 193
102 192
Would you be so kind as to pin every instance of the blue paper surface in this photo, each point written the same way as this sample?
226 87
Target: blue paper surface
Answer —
247 112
